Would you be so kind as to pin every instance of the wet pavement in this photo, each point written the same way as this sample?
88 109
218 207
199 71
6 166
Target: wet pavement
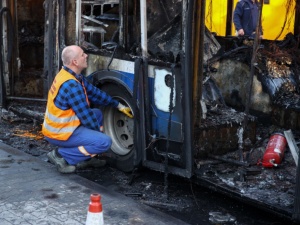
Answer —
33 192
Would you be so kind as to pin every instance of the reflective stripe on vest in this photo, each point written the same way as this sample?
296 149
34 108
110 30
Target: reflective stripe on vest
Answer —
52 129
59 124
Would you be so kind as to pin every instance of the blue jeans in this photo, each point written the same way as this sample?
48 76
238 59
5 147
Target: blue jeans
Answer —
94 142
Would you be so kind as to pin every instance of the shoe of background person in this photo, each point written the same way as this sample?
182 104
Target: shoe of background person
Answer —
61 165
92 162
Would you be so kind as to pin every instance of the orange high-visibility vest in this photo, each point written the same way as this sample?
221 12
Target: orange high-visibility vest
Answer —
59 124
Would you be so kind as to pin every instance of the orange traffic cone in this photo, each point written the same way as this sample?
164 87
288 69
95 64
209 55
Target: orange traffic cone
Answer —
95 215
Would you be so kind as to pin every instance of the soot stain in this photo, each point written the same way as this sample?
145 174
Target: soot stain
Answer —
52 196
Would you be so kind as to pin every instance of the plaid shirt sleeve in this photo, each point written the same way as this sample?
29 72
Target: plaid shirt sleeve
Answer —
71 95
96 96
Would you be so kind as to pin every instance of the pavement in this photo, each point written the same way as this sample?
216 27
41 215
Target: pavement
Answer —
33 192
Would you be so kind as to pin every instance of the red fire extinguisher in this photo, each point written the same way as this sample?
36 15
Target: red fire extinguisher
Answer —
274 151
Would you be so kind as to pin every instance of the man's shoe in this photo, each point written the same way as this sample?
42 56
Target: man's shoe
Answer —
66 169
61 164
92 162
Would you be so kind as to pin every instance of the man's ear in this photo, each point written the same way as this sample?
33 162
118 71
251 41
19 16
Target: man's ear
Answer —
74 61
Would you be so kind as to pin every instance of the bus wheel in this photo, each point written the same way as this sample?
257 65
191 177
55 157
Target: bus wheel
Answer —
120 128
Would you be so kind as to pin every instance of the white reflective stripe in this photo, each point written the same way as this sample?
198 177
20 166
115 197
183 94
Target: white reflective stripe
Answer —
83 151
59 130
44 123
60 120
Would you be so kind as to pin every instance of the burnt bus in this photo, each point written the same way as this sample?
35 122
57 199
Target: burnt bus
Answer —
160 59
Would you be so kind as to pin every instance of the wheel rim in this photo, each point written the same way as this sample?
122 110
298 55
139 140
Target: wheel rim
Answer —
120 128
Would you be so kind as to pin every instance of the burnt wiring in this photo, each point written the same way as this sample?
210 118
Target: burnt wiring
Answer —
194 196
282 61
287 48
171 107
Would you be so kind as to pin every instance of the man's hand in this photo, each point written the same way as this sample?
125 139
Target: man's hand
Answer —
125 110
240 32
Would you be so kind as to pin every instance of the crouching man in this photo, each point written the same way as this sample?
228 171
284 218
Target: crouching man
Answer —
69 121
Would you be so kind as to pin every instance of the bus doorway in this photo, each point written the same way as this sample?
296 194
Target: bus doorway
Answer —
22 50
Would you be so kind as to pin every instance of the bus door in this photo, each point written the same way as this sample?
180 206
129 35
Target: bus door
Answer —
167 106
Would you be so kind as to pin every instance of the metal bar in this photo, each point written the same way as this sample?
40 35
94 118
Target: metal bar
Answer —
62 29
201 57
100 2
125 26
292 145
187 70
78 21
27 99
196 49
229 17
296 213
235 162
183 23
49 42
94 29
143 11
250 84
297 18
93 20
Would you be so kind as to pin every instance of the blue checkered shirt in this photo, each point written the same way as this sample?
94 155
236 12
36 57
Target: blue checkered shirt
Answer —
71 95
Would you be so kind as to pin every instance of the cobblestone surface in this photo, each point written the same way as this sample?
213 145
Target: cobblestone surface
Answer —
33 192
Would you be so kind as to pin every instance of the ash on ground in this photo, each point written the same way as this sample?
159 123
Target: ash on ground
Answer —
182 198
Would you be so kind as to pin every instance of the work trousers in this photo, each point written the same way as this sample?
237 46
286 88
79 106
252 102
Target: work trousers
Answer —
83 144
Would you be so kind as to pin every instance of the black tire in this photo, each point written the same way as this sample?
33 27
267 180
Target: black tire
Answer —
120 128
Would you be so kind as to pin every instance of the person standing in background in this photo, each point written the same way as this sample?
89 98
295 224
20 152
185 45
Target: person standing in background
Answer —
246 18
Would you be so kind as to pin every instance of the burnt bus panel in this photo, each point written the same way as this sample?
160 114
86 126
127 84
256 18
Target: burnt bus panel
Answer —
156 152
219 139
288 118
160 13
166 43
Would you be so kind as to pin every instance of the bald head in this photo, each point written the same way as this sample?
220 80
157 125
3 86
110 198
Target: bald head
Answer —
74 58
69 53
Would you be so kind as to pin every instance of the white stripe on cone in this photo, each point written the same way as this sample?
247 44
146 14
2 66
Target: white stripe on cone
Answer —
94 219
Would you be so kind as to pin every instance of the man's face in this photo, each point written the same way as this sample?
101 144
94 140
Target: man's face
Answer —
81 60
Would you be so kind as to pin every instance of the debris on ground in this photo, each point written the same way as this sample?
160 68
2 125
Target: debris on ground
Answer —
183 201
